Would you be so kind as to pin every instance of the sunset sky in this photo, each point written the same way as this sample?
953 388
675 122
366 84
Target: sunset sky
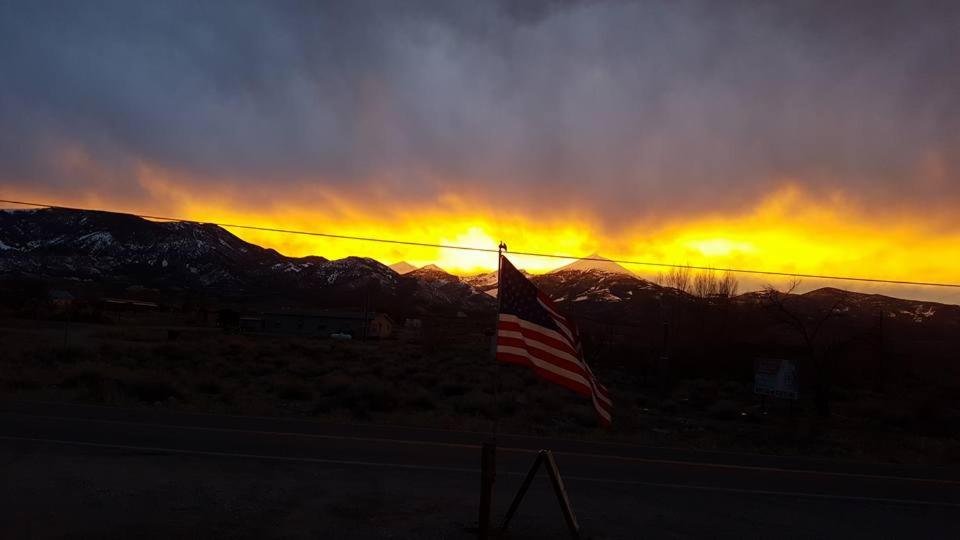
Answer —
818 138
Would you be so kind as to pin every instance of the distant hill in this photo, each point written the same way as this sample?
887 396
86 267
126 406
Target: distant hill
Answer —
119 249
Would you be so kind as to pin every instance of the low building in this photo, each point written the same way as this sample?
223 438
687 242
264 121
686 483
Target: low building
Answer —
128 304
60 299
320 324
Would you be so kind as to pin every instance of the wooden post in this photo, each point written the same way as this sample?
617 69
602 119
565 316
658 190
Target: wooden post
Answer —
522 491
545 456
488 475
562 497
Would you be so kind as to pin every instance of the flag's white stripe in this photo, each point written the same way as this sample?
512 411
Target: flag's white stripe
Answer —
598 405
533 342
575 377
553 368
602 408
546 331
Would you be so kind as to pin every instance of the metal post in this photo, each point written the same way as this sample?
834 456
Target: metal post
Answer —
488 455
493 346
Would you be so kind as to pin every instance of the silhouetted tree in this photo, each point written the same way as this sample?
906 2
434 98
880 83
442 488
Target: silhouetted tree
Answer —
711 284
808 321
678 278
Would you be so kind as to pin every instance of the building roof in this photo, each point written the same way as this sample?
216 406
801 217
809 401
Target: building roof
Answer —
129 302
59 295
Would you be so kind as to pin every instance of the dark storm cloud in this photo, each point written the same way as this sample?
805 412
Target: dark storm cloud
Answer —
628 107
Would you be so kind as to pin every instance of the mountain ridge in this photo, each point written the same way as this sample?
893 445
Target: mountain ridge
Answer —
96 246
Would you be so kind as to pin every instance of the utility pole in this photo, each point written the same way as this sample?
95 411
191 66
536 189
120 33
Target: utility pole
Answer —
665 359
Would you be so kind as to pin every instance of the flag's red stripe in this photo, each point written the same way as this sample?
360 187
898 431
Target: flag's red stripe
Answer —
555 378
579 369
546 356
539 336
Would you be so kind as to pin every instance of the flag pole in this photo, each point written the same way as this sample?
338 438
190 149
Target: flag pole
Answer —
488 452
496 324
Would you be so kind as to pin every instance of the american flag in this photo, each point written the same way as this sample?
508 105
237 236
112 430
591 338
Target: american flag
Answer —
532 332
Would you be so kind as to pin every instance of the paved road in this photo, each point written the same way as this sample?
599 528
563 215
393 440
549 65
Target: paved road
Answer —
617 490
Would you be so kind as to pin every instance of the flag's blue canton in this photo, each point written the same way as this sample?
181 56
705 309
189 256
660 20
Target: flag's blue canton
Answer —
519 297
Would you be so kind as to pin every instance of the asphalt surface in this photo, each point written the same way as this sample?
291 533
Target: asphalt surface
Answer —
618 491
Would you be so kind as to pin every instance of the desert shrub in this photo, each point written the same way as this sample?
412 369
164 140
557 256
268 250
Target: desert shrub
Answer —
305 367
474 402
512 382
51 356
703 392
335 384
149 389
724 409
428 380
547 397
669 406
93 385
393 372
234 350
583 415
644 401
419 398
88 376
506 405
453 388
731 388
108 350
208 386
323 405
20 383
371 395
173 354
292 390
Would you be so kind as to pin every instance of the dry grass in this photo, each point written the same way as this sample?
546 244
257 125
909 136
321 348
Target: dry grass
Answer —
450 385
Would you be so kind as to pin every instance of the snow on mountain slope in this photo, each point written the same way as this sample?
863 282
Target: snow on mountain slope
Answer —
436 285
98 246
595 262
402 267
487 281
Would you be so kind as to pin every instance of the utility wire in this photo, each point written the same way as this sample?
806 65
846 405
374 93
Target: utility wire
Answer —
494 250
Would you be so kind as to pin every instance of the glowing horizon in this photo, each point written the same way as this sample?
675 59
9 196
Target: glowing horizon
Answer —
785 231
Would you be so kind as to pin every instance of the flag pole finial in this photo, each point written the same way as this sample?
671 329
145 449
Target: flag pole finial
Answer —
502 247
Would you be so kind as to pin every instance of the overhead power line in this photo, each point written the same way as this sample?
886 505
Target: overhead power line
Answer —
494 250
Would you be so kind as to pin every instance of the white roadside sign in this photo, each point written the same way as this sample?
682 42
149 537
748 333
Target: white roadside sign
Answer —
775 377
